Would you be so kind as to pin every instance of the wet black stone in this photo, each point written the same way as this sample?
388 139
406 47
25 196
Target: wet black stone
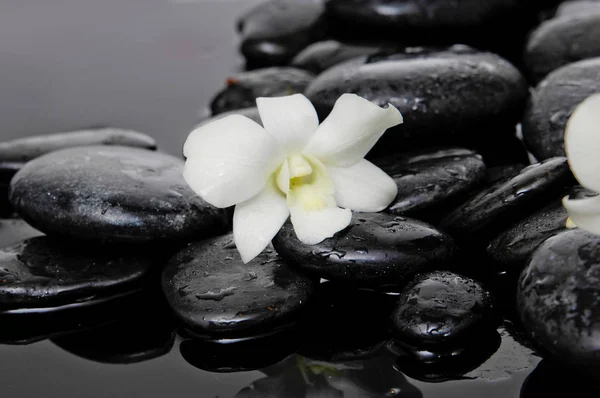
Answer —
242 89
213 292
552 103
42 273
562 40
113 194
498 207
513 247
431 181
276 30
552 379
377 250
502 173
451 96
323 55
441 308
558 299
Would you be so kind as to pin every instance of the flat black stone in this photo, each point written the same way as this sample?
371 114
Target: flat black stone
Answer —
42 273
377 250
502 173
442 308
213 292
431 181
552 103
561 41
448 96
498 207
276 30
558 299
242 89
513 247
113 194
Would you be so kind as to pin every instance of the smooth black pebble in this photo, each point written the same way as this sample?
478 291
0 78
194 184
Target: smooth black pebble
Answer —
276 30
552 103
213 292
113 194
42 273
431 181
242 89
377 250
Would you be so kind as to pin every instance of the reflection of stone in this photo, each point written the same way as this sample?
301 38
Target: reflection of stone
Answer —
550 380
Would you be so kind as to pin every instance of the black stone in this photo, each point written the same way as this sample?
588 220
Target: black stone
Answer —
442 308
44 274
558 299
452 96
552 103
562 40
502 173
498 207
431 181
213 292
513 247
251 113
113 194
242 89
552 379
377 250
276 30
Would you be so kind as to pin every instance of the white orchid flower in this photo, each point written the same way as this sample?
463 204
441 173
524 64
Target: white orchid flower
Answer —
292 166
582 144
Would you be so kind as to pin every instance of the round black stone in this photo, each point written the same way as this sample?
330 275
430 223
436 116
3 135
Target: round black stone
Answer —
377 250
562 40
44 273
113 194
213 292
558 299
442 307
452 96
552 103
276 30
498 207
433 180
242 89
513 247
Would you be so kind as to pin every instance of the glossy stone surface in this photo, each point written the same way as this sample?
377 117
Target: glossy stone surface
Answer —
431 181
496 208
563 40
550 378
42 273
448 96
377 250
441 308
513 247
212 291
241 90
502 173
552 103
276 30
113 194
558 299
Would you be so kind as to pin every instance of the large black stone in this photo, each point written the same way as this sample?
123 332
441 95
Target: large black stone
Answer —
498 207
452 96
377 250
114 194
558 299
442 308
276 30
42 273
552 103
242 89
429 182
213 292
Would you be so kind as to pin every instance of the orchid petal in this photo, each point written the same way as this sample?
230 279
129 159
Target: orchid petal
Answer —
256 221
351 130
584 213
363 187
582 143
292 120
230 160
283 178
